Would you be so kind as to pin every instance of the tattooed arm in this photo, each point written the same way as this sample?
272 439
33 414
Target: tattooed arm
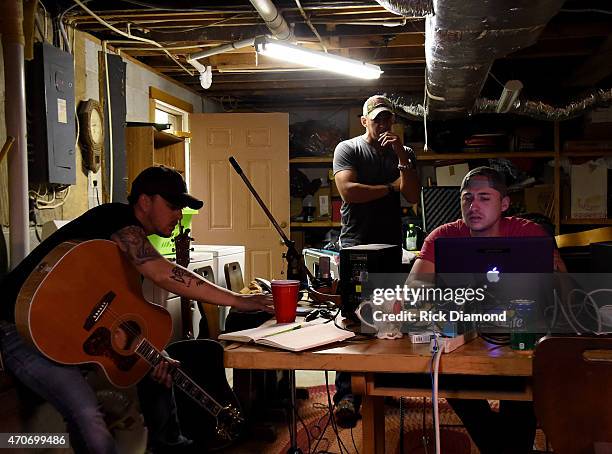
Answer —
133 241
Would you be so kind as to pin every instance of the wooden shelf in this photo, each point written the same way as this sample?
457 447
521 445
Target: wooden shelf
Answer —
312 160
431 156
316 224
587 221
163 139
586 153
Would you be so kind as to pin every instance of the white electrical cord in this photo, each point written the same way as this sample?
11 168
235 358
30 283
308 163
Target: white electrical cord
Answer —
130 36
435 403
589 296
571 318
436 355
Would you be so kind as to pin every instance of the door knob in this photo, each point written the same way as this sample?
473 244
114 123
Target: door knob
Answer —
283 225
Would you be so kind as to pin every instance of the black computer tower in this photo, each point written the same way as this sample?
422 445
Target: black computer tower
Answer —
356 263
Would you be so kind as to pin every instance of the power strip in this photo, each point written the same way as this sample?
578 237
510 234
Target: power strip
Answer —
449 344
421 338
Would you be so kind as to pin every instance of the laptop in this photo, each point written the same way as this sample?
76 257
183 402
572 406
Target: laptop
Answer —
503 269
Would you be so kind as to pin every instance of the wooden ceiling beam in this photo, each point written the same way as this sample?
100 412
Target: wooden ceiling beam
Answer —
595 68
557 30
301 32
359 92
339 82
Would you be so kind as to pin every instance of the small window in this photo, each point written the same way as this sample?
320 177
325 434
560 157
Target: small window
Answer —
175 121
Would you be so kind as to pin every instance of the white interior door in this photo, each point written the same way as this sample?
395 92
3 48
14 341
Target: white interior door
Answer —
231 215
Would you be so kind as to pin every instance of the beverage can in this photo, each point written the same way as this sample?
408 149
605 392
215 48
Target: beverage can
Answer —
522 335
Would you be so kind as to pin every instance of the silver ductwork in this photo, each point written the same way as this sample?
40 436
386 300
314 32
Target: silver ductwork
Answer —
534 109
542 111
463 39
408 8
274 19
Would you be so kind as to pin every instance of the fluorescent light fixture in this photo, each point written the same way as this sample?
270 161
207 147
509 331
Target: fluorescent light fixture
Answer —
311 58
509 95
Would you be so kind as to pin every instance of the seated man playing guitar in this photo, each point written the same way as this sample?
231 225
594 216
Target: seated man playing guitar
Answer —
157 197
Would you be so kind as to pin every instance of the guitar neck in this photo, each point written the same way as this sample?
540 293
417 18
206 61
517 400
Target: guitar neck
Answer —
151 355
182 243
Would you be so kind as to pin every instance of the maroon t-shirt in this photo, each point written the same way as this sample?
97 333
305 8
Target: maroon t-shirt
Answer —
508 226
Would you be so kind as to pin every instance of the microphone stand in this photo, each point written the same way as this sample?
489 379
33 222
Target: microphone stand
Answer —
295 262
296 269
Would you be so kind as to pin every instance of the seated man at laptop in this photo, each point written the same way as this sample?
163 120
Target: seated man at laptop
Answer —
483 201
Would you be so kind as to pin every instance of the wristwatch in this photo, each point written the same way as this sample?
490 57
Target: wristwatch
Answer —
411 161
390 188
401 167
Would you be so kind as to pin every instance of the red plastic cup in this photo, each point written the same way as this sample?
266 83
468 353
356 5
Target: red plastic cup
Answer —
285 295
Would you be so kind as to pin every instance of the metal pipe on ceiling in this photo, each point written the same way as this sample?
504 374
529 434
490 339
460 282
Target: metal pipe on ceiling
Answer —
221 49
274 19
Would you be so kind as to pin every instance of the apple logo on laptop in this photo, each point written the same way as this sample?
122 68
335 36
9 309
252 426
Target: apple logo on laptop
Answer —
493 275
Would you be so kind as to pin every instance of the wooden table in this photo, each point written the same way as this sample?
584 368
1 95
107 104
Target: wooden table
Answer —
368 358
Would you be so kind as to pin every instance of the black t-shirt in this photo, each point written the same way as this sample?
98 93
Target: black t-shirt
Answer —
98 223
378 221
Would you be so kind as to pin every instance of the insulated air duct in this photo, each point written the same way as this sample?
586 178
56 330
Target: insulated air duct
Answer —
463 39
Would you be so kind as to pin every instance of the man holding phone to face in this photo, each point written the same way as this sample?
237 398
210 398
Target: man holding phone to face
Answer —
371 170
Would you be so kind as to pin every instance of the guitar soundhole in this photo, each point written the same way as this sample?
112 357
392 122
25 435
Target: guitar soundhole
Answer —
126 335
99 344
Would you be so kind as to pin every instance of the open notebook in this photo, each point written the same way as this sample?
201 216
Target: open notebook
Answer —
295 336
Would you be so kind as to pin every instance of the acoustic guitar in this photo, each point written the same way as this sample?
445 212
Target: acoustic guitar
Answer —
83 304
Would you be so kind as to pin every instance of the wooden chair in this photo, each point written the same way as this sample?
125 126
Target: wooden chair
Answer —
584 238
572 393
233 276
575 247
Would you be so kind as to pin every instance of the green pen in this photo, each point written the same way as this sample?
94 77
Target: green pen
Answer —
293 328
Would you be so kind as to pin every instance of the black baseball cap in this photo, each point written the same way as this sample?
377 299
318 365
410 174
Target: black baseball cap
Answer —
165 182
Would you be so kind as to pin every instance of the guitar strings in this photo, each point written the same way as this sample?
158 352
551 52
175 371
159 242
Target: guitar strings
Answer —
127 328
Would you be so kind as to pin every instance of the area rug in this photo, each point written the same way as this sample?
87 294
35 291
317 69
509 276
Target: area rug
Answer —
315 430
315 417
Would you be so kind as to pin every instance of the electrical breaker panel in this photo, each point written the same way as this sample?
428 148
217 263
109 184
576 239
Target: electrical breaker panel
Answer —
51 116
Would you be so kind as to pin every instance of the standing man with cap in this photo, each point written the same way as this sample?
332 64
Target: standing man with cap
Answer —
371 170
484 198
157 197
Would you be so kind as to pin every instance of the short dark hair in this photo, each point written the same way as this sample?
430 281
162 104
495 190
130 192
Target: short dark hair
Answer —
166 182
496 179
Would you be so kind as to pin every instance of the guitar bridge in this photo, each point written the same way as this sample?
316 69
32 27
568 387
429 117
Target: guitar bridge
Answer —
98 310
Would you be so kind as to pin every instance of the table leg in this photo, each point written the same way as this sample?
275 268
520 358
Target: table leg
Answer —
373 424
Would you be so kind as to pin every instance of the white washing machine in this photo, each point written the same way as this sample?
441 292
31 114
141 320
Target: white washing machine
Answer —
222 254
172 302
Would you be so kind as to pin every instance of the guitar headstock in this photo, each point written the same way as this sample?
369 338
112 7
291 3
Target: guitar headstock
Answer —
182 246
230 423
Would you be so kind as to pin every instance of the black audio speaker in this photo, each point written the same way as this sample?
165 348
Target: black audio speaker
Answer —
357 263
440 204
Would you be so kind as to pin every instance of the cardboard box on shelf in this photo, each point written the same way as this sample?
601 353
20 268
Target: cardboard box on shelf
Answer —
322 203
539 199
589 183
597 123
451 175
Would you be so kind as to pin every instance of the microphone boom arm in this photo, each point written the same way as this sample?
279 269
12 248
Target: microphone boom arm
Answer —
296 268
